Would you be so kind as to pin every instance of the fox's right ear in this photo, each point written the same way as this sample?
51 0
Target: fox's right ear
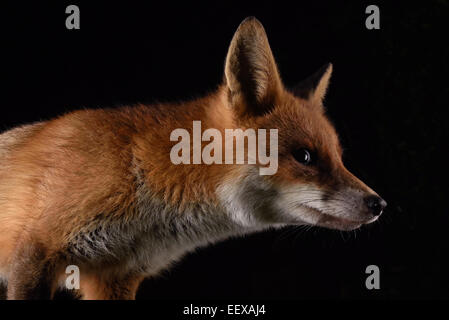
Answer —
251 74
314 87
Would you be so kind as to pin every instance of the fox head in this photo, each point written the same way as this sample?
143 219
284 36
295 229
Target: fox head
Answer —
312 185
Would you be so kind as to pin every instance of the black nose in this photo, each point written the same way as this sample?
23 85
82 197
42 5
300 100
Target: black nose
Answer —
375 204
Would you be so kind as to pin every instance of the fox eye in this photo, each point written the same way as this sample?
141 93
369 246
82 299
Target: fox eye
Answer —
303 156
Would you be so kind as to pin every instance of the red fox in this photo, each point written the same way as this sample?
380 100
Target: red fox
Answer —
97 188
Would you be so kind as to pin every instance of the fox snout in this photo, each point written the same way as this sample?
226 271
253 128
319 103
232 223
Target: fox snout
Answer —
343 209
360 207
348 208
346 205
375 204
328 197
370 204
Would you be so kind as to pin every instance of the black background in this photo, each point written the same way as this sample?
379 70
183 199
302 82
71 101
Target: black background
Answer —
388 99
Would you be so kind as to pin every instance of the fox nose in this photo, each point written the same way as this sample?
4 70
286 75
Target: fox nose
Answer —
375 204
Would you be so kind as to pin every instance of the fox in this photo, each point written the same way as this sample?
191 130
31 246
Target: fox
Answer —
95 188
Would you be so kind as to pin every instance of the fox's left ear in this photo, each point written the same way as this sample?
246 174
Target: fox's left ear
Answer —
251 73
314 87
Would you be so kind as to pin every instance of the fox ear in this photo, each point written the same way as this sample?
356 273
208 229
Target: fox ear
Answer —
251 74
314 87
